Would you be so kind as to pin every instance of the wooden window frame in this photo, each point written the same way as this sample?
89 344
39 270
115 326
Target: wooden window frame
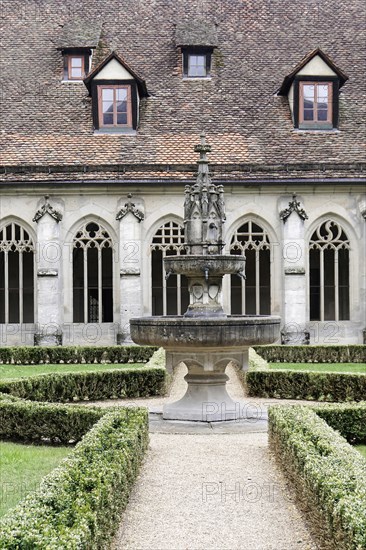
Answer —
114 87
333 111
70 57
187 52
316 85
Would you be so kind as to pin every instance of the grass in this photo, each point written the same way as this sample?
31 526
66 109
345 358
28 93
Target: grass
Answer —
22 371
21 469
321 367
362 449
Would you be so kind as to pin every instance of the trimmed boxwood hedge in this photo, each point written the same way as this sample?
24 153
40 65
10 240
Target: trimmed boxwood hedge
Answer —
78 386
348 420
41 422
318 386
38 355
313 354
328 475
78 505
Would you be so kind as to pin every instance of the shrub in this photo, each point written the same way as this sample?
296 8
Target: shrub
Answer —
318 386
348 420
77 386
329 476
39 422
75 354
78 505
313 354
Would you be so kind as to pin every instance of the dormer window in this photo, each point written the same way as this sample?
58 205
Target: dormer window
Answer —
196 62
196 40
313 92
76 64
116 92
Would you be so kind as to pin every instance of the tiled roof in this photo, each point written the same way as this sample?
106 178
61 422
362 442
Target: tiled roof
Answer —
46 122
196 32
79 33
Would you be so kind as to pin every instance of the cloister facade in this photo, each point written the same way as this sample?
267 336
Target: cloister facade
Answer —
75 268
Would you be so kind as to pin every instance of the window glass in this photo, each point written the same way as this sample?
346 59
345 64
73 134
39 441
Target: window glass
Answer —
197 65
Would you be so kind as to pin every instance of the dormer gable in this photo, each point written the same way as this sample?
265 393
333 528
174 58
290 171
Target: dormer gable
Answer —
114 67
116 92
313 92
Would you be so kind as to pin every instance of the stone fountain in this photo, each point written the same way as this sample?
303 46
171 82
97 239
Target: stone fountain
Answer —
205 338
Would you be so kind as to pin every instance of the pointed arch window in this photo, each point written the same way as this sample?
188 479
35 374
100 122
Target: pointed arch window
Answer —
252 296
92 275
169 296
16 275
329 273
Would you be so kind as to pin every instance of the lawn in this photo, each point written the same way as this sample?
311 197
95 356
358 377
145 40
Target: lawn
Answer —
321 367
362 449
21 469
21 371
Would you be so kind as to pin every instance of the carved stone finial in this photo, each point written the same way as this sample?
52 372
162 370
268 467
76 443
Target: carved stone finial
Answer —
130 206
293 206
46 208
204 209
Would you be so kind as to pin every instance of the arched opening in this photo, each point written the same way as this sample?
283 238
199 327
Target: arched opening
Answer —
169 296
252 296
16 275
329 273
92 275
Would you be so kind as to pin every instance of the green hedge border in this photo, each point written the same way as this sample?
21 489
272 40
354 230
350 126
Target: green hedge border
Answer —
328 475
314 386
38 355
79 504
92 386
45 423
313 354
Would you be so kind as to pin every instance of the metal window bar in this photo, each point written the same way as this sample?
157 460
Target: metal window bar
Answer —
169 236
23 244
329 233
258 240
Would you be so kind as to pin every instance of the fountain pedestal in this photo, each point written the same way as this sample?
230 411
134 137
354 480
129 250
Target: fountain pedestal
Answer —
206 398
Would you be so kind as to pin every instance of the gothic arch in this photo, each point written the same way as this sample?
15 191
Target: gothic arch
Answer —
169 296
17 272
329 270
92 273
252 296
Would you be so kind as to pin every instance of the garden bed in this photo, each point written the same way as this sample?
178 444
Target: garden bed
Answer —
328 474
291 382
78 505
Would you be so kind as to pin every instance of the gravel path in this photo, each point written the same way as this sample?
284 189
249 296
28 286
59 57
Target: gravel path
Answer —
210 491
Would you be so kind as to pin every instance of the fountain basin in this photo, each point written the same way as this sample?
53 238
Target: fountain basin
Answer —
216 265
177 332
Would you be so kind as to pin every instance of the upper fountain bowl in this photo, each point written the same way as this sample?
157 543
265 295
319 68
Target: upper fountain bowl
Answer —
215 265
